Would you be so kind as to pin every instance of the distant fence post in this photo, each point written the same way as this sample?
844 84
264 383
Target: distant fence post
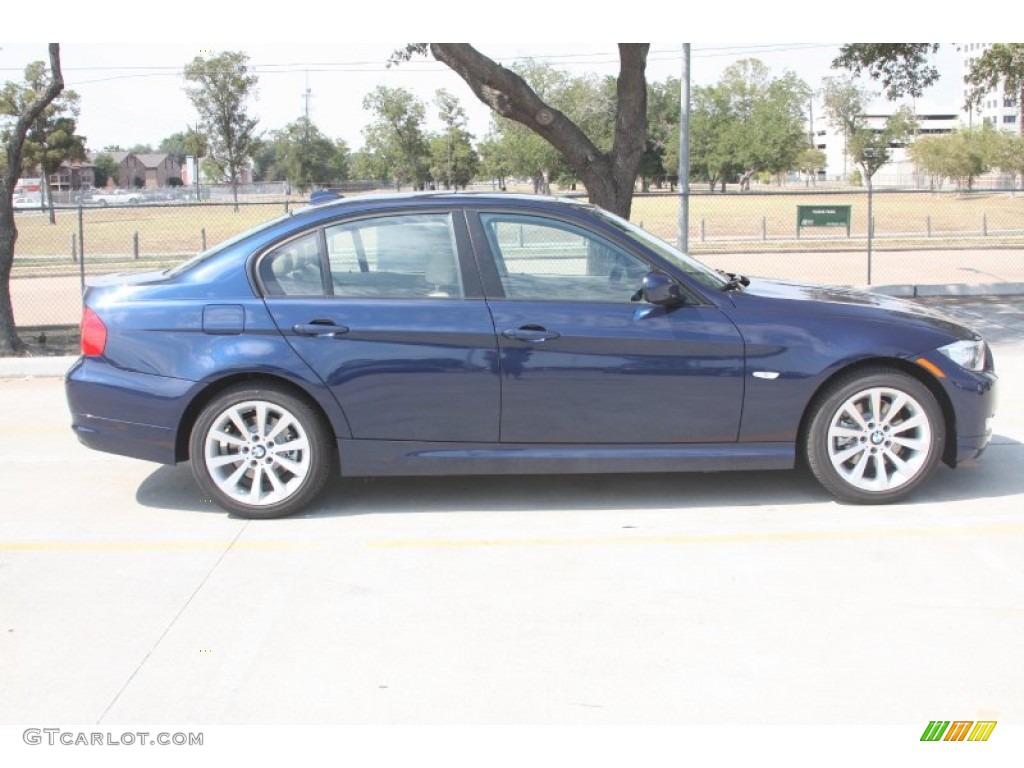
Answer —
74 247
81 249
984 225
202 238
928 225
135 245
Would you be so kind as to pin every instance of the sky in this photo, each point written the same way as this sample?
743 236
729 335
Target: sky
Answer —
132 92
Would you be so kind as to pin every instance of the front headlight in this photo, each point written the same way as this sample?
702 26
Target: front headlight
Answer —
966 354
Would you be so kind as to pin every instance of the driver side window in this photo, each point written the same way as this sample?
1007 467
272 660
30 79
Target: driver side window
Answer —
543 259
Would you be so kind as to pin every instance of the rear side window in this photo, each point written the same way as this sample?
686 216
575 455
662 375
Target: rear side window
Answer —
293 268
403 256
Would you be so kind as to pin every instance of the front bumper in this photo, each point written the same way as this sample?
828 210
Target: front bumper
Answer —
973 397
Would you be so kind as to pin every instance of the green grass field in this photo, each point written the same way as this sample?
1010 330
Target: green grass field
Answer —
718 223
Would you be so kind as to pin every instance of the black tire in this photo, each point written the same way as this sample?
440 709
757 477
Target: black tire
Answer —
228 464
874 436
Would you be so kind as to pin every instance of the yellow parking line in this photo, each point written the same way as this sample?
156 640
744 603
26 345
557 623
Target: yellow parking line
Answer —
725 538
143 546
19 430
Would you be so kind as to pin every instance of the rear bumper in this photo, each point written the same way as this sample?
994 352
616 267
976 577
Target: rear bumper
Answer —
125 412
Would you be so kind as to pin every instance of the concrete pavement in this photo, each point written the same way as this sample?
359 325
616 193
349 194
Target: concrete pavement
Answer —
751 598
754 598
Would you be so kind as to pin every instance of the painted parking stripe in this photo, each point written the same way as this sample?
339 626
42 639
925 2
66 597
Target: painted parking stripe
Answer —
1001 529
146 546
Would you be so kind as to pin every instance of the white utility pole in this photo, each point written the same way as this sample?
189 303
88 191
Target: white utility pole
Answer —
684 152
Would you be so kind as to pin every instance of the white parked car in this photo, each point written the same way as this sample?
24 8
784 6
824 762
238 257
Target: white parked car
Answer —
27 201
117 197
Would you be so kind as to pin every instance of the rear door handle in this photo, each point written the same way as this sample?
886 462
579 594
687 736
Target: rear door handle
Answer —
327 329
533 333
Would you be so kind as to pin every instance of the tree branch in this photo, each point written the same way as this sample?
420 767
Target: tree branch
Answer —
24 122
509 95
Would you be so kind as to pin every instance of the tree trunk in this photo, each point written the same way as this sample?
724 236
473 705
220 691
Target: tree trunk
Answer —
9 341
48 195
871 216
609 177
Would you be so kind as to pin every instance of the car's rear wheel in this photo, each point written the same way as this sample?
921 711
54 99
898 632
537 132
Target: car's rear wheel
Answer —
260 452
874 436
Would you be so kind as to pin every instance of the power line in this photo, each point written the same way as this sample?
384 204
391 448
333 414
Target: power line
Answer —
579 59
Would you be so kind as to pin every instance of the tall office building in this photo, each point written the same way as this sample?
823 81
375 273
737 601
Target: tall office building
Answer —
997 108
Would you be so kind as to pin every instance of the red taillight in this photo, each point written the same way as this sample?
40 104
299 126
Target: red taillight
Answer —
94 334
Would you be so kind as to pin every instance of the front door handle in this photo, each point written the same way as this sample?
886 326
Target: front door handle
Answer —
532 333
327 329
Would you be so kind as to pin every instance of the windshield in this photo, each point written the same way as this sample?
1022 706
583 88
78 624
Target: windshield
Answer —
695 269
199 258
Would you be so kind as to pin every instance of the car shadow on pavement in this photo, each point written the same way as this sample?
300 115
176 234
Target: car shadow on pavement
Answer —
996 475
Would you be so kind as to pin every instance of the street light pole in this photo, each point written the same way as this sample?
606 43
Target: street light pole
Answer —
684 152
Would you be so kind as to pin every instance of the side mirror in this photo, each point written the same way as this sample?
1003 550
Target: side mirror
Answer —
658 288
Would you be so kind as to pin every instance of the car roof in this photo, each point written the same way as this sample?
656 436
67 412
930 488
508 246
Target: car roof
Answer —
387 200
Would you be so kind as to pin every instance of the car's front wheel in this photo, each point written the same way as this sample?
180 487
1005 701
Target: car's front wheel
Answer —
260 452
874 436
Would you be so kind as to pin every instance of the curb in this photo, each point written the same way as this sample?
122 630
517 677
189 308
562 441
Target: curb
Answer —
22 367
953 289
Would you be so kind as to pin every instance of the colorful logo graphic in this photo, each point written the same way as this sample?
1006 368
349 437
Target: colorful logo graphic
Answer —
958 730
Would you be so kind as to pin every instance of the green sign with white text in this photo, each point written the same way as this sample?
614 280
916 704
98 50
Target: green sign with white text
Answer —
823 216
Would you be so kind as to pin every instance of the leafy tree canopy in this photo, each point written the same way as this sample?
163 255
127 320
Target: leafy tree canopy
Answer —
750 121
999 64
452 156
396 135
904 69
219 88
51 139
300 154
106 168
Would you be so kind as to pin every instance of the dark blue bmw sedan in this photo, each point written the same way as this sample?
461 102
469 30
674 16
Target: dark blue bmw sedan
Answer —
459 334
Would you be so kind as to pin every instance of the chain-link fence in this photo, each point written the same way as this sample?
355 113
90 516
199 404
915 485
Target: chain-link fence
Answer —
918 237
52 261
